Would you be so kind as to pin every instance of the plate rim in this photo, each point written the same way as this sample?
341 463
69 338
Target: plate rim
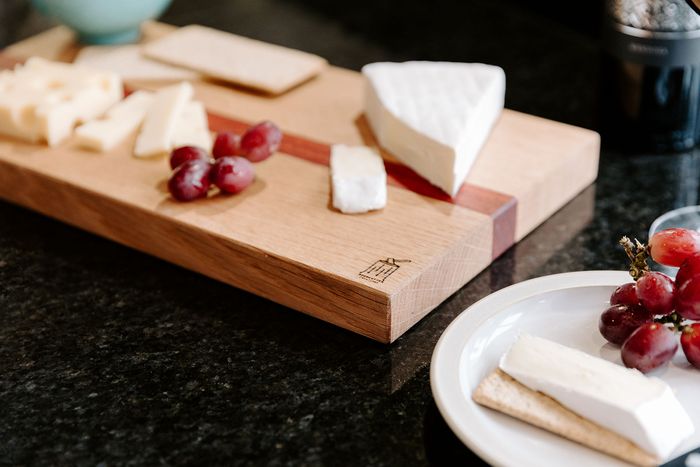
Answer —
448 350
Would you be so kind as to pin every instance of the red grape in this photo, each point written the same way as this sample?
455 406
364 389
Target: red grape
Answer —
690 341
186 153
688 299
655 291
619 321
626 294
649 347
232 174
672 246
190 180
260 141
227 143
689 269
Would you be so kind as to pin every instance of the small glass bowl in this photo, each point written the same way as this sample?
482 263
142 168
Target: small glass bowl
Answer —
687 218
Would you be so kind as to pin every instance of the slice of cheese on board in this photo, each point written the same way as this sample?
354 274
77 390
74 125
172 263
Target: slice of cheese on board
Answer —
45 100
192 128
434 116
358 178
158 129
131 64
239 60
120 120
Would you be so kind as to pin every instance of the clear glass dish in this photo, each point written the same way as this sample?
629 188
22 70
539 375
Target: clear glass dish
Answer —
687 218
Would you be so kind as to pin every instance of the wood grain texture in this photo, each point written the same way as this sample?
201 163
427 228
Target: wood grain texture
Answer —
281 239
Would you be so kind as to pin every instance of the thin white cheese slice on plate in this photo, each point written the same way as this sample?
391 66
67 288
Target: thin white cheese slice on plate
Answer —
358 178
192 128
158 129
239 60
434 116
130 63
120 120
640 408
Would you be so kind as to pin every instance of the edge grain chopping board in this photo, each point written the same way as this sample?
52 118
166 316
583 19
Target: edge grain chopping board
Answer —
376 274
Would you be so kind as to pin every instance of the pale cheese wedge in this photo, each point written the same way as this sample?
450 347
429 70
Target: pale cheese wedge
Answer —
158 130
192 128
45 100
120 121
434 116
239 60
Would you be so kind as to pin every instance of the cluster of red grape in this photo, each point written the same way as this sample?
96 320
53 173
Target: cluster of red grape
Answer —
644 316
231 170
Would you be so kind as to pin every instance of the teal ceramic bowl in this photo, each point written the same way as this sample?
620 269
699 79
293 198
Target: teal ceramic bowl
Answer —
103 21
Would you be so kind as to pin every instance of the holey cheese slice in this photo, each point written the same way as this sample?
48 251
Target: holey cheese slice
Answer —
642 409
434 116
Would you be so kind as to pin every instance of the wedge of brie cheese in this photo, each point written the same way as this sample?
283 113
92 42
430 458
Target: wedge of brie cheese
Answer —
358 178
642 409
434 116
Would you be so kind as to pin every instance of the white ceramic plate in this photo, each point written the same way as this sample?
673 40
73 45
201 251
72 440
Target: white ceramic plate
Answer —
563 308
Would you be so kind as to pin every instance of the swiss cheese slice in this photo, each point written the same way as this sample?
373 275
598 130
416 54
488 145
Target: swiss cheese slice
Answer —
434 116
158 130
239 60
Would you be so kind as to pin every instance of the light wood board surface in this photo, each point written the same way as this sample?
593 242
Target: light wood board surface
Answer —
281 239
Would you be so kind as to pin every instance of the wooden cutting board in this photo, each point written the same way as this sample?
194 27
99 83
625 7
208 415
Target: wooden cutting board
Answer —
376 274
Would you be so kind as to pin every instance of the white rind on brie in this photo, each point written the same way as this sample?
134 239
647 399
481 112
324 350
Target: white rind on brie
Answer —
640 408
434 116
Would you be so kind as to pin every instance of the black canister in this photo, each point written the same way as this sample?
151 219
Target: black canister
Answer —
650 80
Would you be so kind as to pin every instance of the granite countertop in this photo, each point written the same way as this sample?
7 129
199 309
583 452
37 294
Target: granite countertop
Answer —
111 357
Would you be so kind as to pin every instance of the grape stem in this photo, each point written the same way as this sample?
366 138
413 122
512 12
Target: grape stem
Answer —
674 319
638 253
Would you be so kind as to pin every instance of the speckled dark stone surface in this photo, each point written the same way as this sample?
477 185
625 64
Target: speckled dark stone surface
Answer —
110 357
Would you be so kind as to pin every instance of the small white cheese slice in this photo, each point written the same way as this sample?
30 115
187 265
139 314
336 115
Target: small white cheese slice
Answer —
120 120
358 179
640 408
434 116
192 128
45 100
158 129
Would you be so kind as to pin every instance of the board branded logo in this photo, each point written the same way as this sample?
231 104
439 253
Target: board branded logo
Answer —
381 269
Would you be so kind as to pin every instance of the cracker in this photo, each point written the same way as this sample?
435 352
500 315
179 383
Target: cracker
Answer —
266 67
502 393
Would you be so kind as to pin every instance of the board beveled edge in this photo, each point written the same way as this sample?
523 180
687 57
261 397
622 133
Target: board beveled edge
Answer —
334 299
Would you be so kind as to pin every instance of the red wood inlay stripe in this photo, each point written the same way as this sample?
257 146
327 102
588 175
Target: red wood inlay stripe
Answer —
500 207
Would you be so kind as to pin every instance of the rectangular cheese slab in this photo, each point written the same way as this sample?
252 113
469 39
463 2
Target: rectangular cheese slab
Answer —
640 408
358 178
119 122
158 130
239 60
